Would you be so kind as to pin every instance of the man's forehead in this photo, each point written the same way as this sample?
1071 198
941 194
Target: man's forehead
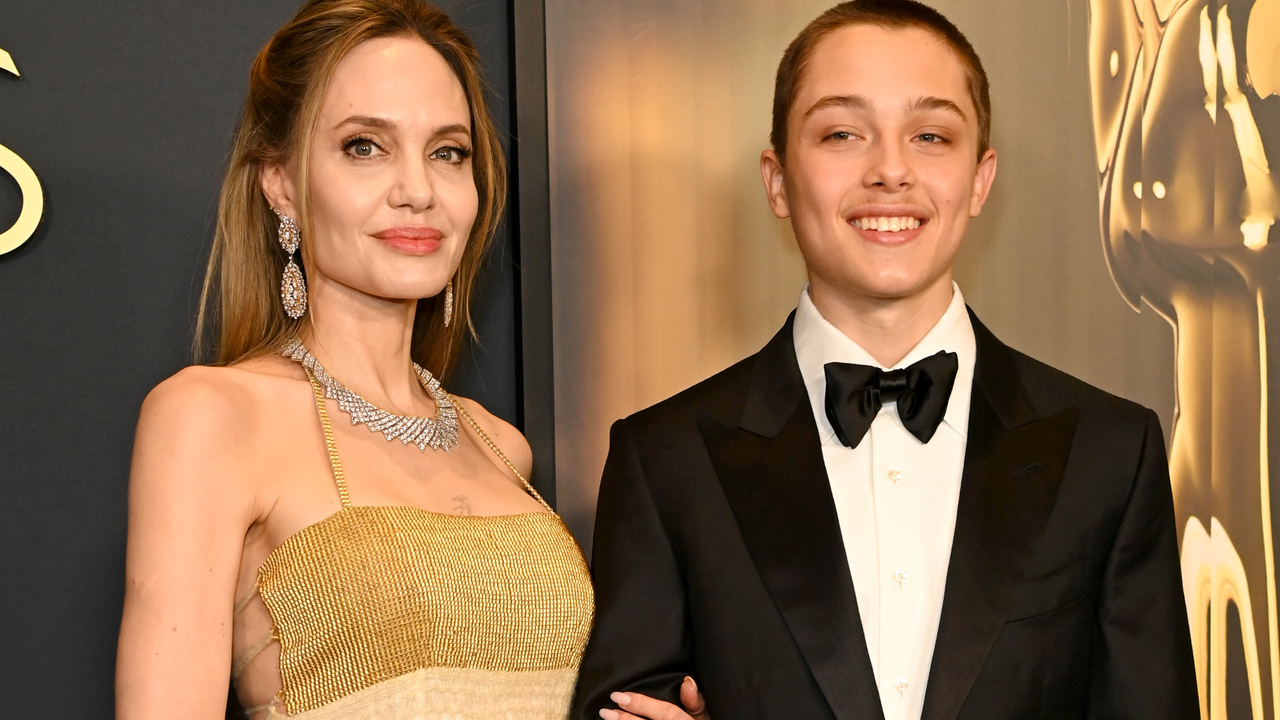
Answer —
882 67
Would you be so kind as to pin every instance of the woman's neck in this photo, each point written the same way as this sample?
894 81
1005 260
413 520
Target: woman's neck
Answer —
365 343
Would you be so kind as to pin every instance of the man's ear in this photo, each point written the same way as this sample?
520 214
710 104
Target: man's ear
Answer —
774 187
983 177
278 187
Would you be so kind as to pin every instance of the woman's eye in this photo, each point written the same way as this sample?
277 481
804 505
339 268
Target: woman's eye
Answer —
452 155
362 148
839 135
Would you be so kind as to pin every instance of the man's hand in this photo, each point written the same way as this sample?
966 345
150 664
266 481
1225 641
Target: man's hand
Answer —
642 707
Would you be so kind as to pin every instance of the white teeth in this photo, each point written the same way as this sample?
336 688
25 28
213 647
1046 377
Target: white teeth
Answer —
887 224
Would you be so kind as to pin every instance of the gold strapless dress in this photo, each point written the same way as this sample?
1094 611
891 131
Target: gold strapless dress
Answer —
396 612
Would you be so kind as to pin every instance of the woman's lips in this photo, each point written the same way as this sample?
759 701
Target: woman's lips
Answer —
411 240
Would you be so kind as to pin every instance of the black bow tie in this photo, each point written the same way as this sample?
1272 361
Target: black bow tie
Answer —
855 394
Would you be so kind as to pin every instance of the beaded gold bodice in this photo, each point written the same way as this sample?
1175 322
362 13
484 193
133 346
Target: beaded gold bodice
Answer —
374 593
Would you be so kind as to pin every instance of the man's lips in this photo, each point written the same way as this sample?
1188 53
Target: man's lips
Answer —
888 225
413 240
882 223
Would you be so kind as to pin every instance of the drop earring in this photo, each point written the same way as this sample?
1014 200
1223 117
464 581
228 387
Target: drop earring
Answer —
448 303
293 287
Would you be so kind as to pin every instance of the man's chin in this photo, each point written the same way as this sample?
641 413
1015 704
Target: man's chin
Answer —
883 289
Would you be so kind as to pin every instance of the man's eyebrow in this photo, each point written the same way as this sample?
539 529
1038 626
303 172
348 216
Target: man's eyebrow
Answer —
852 102
857 102
930 103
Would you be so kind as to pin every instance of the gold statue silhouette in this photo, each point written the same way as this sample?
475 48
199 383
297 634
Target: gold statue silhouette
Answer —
1184 113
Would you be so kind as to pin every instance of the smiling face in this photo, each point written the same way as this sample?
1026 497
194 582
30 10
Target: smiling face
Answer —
882 169
393 198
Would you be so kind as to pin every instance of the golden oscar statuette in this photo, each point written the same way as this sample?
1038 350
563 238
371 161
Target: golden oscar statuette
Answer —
1187 122
28 183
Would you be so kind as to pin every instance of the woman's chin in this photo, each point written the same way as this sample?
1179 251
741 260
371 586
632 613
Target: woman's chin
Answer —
400 292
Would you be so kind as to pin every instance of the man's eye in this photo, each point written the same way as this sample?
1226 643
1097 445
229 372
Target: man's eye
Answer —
932 138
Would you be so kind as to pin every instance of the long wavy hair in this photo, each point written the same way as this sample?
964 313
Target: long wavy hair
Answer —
240 314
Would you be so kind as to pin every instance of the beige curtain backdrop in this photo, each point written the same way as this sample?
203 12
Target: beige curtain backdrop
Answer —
668 265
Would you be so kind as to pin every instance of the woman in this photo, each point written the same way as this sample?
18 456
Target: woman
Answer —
331 571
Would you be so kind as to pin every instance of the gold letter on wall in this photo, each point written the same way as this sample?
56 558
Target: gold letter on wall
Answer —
28 183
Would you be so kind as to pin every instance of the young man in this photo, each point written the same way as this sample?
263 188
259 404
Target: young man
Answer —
886 512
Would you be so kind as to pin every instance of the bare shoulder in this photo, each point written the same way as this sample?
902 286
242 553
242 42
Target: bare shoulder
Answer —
208 417
197 399
212 400
508 439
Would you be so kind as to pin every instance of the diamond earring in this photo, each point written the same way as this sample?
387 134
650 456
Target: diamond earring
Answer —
293 288
448 303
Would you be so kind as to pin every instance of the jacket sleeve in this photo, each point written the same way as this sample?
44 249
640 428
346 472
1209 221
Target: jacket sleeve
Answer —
1142 666
640 642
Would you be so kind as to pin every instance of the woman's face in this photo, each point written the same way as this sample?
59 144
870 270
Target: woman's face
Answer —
392 194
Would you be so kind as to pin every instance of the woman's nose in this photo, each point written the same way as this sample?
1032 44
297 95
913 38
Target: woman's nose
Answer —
413 186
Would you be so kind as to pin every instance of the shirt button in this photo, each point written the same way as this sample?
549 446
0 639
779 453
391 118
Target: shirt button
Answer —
901 685
895 475
900 576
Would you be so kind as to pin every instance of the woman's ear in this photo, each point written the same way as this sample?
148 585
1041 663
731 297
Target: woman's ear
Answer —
278 187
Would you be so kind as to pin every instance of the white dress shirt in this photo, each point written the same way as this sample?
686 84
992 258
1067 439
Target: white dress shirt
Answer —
896 501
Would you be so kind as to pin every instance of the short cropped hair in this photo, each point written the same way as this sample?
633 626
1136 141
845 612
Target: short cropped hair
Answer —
890 14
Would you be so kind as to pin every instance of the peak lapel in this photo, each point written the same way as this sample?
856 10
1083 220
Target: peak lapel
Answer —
1013 466
775 480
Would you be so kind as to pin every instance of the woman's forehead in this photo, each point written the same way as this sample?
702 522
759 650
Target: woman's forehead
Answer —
402 79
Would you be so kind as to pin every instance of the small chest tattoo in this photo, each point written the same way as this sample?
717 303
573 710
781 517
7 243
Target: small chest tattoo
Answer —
463 506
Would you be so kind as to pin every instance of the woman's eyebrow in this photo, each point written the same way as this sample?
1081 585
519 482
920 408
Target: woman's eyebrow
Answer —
385 124
368 121
451 129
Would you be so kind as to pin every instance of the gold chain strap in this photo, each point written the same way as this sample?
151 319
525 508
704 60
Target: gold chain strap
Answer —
338 476
501 456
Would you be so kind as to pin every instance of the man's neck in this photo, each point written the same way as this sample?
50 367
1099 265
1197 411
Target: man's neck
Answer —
887 328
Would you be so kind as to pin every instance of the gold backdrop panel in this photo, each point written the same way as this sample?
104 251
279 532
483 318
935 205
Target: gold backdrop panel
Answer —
1184 129
667 264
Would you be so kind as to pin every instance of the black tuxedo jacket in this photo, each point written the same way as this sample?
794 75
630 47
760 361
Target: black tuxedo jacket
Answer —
718 554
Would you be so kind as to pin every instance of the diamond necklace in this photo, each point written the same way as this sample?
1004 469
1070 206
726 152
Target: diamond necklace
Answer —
440 432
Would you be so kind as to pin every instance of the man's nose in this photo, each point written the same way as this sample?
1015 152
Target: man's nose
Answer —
889 168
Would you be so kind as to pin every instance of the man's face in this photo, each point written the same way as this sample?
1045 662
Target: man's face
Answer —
882 171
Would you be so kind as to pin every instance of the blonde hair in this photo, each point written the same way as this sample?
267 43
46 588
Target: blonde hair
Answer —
240 315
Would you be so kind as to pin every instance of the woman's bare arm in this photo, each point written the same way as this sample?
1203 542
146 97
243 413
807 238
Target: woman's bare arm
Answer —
190 503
